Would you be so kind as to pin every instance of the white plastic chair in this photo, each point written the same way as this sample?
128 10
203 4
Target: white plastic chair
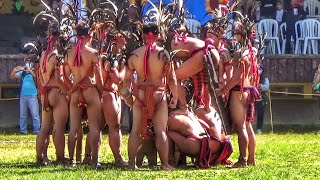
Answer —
311 35
298 30
229 29
193 26
283 28
270 26
311 7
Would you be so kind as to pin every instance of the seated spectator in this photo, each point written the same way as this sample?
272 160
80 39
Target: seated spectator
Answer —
316 87
267 8
280 13
294 13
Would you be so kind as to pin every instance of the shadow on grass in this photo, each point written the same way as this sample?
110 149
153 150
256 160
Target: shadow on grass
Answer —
31 168
277 129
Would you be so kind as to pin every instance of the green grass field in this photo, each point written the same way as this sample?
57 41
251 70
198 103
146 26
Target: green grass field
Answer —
279 156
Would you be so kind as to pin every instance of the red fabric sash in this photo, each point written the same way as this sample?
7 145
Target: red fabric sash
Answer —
77 59
47 52
177 37
150 48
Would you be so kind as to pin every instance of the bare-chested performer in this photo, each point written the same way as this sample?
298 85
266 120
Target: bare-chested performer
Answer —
215 29
198 53
113 71
193 138
82 61
153 76
242 88
53 99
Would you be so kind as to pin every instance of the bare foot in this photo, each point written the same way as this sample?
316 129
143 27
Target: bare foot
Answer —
251 162
167 167
132 167
71 162
46 161
87 160
63 161
241 163
121 163
96 166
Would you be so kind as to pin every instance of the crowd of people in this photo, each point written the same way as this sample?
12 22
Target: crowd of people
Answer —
186 93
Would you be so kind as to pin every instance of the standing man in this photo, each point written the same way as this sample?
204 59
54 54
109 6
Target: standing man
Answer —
242 89
86 89
263 102
153 76
28 96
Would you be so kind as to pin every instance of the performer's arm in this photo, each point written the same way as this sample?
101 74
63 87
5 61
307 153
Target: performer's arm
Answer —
124 92
117 76
233 81
14 72
181 95
191 67
97 73
30 71
172 85
64 74
265 86
317 75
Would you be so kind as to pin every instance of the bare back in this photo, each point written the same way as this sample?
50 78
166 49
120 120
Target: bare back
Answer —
88 60
191 44
249 79
47 74
156 66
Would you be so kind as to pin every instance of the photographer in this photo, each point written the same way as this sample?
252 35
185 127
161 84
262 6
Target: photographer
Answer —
28 96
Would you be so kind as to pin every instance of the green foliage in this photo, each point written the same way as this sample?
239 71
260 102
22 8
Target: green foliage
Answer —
279 156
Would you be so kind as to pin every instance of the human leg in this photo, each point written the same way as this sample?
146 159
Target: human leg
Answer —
33 105
60 115
75 124
134 138
112 114
259 109
238 115
23 115
159 121
186 145
95 118
42 140
251 144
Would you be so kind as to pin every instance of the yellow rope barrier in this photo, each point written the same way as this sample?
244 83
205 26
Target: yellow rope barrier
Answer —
289 93
9 99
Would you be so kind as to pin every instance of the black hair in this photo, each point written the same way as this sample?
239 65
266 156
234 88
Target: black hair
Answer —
279 1
150 27
82 29
53 28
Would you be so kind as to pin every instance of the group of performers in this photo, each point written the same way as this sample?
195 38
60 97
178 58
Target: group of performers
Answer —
182 87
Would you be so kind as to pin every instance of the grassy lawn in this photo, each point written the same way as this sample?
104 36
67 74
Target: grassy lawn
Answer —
279 156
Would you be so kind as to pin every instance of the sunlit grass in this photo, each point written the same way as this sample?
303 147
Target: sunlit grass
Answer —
279 156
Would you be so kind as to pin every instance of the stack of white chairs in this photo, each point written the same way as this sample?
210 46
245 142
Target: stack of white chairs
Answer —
193 26
311 32
270 26
312 7
299 33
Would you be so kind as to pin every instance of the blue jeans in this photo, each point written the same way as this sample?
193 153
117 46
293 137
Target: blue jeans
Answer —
31 103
